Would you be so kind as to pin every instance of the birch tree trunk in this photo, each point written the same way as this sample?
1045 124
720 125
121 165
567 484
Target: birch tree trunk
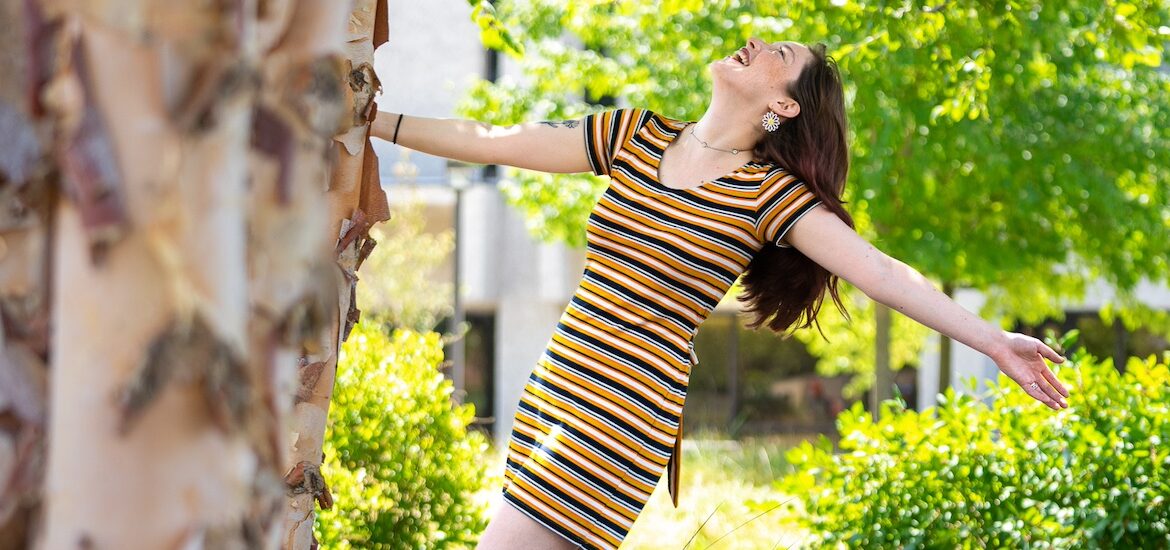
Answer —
24 298
356 201
150 375
160 209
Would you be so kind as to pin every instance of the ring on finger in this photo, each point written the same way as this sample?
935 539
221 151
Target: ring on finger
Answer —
1034 386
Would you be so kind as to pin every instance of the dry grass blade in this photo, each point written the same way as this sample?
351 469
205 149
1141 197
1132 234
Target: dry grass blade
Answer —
701 525
754 518
786 547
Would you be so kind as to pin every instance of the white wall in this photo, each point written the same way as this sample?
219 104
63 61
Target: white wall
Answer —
432 56
533 284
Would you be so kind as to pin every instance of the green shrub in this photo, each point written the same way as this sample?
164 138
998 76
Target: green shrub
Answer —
400 462
1012 475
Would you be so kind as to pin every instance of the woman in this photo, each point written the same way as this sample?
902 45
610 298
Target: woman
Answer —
752 187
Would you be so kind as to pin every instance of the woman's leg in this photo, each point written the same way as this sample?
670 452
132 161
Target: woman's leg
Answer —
510 529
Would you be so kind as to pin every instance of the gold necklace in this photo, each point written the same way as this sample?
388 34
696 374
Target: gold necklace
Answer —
705 146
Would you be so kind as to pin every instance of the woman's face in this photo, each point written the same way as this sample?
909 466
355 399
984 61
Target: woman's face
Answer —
761 72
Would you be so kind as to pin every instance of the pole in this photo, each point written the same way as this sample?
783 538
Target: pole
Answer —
883 376
458 316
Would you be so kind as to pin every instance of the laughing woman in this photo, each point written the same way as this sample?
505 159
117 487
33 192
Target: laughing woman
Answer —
752 188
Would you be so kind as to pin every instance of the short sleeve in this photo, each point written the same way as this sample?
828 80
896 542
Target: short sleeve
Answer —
783 200
606 133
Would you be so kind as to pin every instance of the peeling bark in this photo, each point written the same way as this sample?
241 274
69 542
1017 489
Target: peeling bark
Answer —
25 196
310 375
90 172
188 351
356 202
22 421
306 478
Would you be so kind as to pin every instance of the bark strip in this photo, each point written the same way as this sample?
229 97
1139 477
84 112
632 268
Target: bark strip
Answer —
356 202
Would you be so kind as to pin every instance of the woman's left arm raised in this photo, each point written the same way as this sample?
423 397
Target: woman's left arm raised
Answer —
828 241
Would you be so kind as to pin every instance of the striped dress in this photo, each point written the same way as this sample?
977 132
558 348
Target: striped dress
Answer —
600 416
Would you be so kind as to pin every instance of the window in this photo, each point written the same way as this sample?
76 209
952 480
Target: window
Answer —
480 367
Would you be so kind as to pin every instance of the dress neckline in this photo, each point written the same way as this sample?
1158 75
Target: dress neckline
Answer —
675 129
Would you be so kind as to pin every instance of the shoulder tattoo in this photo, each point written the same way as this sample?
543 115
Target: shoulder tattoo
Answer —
564 123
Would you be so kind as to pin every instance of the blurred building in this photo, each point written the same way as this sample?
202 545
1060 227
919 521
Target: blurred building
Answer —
513 288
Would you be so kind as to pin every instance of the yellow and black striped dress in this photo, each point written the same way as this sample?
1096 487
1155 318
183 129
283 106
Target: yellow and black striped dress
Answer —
600 415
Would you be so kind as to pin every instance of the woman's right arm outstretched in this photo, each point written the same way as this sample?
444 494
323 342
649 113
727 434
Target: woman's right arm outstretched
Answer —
557 147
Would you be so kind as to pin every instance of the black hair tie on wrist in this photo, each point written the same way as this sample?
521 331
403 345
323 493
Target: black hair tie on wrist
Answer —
397 125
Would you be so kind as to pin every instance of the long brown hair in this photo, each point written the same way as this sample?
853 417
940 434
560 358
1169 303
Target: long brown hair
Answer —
781 286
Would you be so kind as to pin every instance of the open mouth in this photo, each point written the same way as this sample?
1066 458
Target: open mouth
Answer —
742 57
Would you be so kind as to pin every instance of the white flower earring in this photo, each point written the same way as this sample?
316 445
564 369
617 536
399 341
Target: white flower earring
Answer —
771 121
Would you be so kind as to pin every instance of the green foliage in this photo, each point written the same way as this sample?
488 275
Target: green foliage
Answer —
1134 314
398 279
402 466
491 32
1010 475
1014 147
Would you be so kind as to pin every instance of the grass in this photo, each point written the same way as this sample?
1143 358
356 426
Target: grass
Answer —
724 499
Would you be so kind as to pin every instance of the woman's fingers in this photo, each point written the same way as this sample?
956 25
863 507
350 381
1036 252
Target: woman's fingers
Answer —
1049 354
1052 379
1044 393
